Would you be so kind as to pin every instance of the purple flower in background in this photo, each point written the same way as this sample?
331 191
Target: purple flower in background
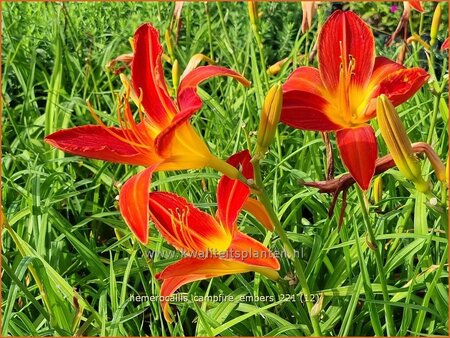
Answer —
393 8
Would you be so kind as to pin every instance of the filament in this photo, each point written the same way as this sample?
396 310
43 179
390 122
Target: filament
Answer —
181 229
347 68
131 132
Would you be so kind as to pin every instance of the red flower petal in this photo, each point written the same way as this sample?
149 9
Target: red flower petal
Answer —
191 269
247 250
133 203
305 79
189 103
382 68
395 81
416 5
242 161
305 110
257 209
359 151
344 33
200 74
402 84
232 193
96 142
147 75
445 44
184 226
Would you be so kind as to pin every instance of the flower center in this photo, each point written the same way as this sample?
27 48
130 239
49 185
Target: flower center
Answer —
194 242
181 230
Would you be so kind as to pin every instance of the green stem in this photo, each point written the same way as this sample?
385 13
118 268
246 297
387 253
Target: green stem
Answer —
264 199
434 117
262 57
387 309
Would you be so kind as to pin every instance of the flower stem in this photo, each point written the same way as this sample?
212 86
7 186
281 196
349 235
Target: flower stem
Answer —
264 199
379 262
262 58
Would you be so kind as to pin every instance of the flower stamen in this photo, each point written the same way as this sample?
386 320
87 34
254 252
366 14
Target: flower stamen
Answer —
347 69
108 130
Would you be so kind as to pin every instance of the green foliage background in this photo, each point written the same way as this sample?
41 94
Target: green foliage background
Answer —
69 239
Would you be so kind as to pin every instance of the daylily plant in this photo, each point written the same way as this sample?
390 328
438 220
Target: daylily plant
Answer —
164 139
214 245
340 96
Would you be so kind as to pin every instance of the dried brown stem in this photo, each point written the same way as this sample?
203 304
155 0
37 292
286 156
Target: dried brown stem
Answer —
313 53
342 184
336 185
403 24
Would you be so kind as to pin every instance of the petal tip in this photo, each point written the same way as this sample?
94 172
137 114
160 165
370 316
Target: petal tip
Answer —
133 203
359 152
143 239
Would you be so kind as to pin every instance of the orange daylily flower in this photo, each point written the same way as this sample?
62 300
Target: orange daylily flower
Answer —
341 94
214 245
164 139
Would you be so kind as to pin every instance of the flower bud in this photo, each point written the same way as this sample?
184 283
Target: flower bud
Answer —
175 74
168 43
318 306
377 189
253 12
270 117
435 24
398 143
276 67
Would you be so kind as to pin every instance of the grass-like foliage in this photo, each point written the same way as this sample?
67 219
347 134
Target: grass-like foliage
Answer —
71 266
